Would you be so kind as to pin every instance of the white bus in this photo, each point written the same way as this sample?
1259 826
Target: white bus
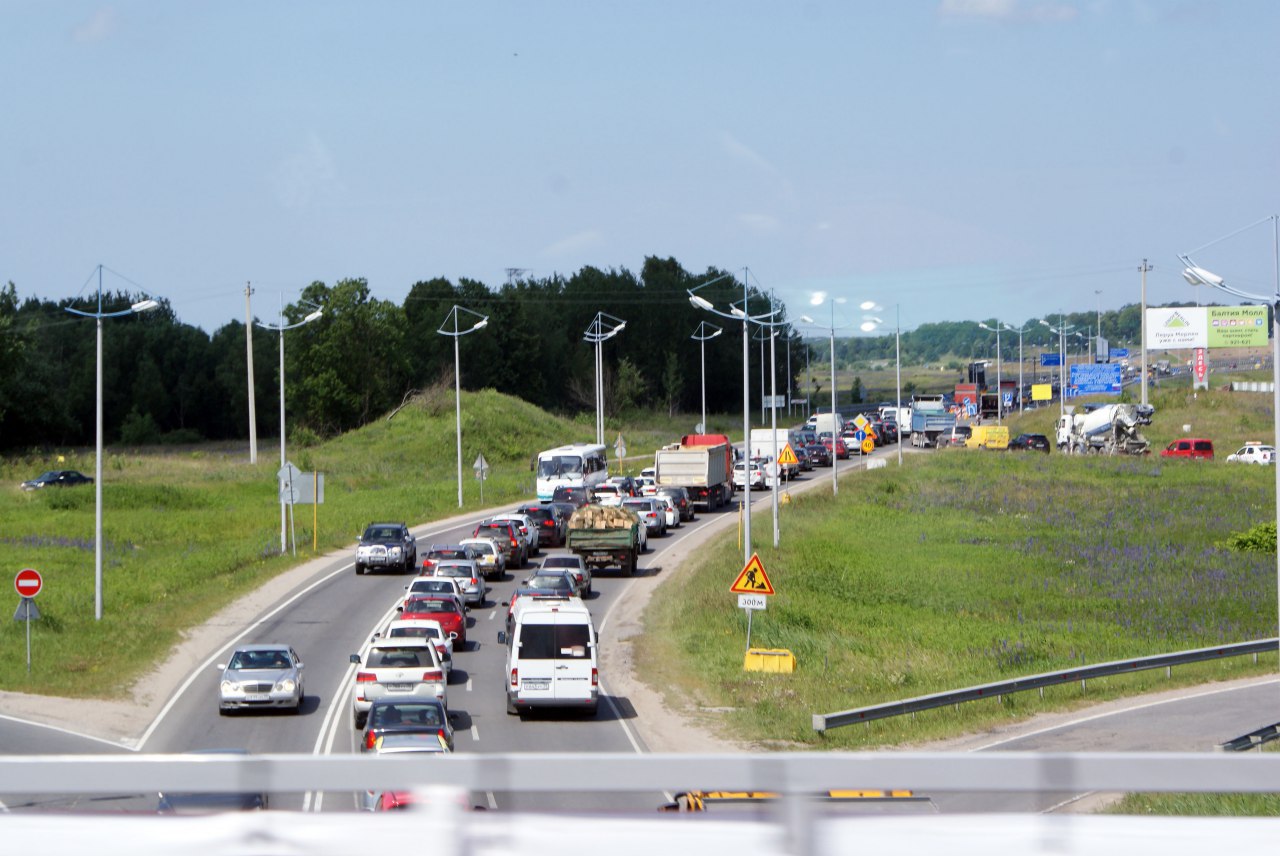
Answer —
579 465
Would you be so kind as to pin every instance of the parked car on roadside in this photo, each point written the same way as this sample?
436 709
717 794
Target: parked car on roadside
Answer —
1253 452
1198 448
56 478
1029 443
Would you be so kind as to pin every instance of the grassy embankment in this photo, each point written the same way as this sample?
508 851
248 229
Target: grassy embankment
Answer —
186 533
962 568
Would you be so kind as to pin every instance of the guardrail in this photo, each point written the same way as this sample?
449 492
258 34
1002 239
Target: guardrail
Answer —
792 826
823 722
1252 740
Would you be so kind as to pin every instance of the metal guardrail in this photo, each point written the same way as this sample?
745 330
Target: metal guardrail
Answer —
1252 740
823 722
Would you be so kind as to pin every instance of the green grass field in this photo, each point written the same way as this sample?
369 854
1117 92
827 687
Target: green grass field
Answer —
188 532
962 568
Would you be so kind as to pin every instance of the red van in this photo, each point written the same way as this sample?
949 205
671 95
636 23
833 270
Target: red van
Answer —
1189 447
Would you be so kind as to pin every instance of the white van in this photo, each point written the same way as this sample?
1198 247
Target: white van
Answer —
551 656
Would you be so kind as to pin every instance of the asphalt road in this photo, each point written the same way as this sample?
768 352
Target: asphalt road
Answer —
336 613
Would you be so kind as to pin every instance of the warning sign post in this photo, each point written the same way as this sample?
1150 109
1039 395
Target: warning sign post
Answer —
752 588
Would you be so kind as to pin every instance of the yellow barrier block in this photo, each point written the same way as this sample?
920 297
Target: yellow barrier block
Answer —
769 660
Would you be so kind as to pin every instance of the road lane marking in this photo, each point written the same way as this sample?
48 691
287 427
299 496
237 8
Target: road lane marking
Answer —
475 733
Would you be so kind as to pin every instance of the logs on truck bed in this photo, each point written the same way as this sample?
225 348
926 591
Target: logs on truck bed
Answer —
602 517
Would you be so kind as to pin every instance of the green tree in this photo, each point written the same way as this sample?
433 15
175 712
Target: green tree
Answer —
629 386
672 383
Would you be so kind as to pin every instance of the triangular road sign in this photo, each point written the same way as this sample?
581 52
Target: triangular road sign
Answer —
753 579
787 457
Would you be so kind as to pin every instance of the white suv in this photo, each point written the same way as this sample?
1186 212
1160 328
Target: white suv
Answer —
403 668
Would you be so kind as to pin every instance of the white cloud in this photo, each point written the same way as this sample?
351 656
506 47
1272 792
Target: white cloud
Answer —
307 176
1010 10
574 243
759 222
98 28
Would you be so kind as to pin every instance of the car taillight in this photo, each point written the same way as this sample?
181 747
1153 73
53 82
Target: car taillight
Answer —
548 523
513 543
369 739
595 677
433 675
515 678
474 581
366 678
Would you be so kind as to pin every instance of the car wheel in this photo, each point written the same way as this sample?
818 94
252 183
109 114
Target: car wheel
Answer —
511 707
222 711
359 569
297 708
357 719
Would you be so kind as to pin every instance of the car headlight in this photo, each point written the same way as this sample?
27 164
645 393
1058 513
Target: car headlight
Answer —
286 685
394 552
230 687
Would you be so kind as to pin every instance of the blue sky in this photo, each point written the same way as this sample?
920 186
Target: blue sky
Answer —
965 159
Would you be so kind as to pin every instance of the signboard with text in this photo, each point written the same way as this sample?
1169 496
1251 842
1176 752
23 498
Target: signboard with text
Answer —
1050 359
1094 379
1184 327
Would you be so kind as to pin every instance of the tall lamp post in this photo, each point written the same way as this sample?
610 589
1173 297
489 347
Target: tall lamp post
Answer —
999 370
870 324
819 298
603 327
701 336
457 333
1196 275
140 306
1019 331
742 315
280 327
1061 332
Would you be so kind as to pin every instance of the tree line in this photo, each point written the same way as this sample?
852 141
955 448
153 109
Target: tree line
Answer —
165 381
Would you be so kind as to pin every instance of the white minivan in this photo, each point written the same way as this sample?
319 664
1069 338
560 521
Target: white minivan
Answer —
551 656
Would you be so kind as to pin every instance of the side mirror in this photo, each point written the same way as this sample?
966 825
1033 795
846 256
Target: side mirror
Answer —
300 666
502 637
355 658
221 667
453 634
375 637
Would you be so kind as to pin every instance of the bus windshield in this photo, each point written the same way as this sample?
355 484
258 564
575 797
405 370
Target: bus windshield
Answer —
559 465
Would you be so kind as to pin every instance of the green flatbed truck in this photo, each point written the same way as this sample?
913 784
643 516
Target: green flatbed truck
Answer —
605 536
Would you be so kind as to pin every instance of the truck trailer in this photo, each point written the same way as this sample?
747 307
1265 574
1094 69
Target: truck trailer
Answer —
705 471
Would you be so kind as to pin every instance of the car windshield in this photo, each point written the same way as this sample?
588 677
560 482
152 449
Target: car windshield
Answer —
380 533
484 548
447 553
561 562
548 582
454 571
251 660
399 658
559 465
420 632
383 715
445 585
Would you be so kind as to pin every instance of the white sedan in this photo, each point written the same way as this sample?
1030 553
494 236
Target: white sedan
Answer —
1253 453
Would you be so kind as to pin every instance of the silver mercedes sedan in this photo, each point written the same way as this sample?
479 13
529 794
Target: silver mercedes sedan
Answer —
261 676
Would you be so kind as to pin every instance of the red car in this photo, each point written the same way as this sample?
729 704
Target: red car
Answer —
444 610
1189 447
839 450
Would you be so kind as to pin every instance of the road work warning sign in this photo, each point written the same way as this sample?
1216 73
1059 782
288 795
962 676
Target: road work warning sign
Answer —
753 579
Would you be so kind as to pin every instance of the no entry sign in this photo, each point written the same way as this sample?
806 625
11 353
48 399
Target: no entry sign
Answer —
28 582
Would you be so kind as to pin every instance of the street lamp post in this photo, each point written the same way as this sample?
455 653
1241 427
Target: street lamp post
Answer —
280 327
818 299
701 336
1019 331
1197 275
140 306
603 326
457 333
741 314
871 323
1061 332
999 371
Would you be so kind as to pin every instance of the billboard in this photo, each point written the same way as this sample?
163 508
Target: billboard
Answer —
1091 379
1184 327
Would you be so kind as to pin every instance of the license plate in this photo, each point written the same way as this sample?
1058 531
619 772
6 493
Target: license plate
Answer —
257 697
398 688
536 686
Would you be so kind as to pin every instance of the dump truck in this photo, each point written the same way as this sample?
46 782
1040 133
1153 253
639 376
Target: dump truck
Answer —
1108 430
705 471
605 535
929 419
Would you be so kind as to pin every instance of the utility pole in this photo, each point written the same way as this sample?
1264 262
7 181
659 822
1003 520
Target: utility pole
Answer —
248 346
1143 270
1098 340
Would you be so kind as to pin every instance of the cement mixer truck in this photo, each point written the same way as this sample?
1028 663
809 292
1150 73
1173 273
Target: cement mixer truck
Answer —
1109 430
